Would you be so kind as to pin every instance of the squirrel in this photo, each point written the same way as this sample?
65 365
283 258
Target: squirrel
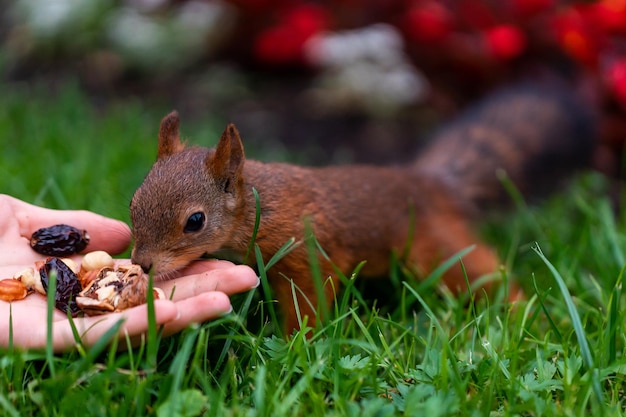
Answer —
197 201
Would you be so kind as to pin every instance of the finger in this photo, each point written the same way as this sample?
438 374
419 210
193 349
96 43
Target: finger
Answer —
197 267
106 234
201 266
198 309
27 320
91 329
231 280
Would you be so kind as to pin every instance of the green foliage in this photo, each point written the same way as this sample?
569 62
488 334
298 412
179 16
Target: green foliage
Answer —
412 351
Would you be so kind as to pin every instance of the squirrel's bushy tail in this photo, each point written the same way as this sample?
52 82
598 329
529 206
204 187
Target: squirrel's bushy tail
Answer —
538 135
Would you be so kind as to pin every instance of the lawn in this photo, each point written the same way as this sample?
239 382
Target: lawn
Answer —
415 350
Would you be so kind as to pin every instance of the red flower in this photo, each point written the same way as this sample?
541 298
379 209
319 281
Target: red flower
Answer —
610 15
278 45
505 41
528 8
307 19
576 36
283 43
428 22
616 78
475 14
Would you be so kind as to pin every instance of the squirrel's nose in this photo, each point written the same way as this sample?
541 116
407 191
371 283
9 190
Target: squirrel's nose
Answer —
137 258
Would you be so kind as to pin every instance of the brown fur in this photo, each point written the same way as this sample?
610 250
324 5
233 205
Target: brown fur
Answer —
357 213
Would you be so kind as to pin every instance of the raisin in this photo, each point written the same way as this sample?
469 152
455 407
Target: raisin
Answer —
68 285
59 240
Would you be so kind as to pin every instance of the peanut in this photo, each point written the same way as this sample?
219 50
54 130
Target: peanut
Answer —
12 289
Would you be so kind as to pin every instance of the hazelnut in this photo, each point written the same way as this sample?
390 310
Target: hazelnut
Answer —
96 260
92 264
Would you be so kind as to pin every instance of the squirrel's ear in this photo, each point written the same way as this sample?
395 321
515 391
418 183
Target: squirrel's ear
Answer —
169 138
226 163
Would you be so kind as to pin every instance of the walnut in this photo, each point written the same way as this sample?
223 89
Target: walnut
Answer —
115 290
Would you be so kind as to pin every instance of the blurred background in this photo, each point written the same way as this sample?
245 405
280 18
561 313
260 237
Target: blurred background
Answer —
320 81
84 84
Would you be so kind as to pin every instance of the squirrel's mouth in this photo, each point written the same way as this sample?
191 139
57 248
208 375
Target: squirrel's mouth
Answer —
167 266
224 254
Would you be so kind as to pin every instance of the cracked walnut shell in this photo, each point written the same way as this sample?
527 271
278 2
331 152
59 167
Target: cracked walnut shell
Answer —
115 290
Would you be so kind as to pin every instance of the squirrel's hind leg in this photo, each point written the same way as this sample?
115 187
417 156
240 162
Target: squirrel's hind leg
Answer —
447 236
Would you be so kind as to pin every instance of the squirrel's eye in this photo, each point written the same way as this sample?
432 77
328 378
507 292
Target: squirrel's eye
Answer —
194 222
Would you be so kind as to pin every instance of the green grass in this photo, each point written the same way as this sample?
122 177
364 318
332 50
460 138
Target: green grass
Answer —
413 351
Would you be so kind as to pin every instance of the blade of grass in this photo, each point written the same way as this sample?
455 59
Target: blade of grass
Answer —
577 324
350 292
11 347
541 298
260 392
435 276
8 407
614 321
178 367
52 285
257 221
312 246
609 230
267 290
287 247
75 334
97 348
152 345
243 312
262 267
299 388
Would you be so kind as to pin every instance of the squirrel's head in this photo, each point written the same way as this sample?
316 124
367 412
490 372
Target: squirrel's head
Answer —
187 203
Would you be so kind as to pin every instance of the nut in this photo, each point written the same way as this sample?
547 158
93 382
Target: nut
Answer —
70 264
158 293
96 260
92 264
87 277
31 278
12 289
114 290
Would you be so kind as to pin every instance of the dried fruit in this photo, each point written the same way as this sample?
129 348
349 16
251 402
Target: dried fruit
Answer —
67 288
98 287
12 289
59 240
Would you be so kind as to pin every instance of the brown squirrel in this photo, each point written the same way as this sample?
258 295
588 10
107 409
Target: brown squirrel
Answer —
197 201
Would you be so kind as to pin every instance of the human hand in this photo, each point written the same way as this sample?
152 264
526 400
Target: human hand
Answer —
200 295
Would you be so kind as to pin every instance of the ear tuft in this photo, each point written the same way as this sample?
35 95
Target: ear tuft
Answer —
169 138
226 164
